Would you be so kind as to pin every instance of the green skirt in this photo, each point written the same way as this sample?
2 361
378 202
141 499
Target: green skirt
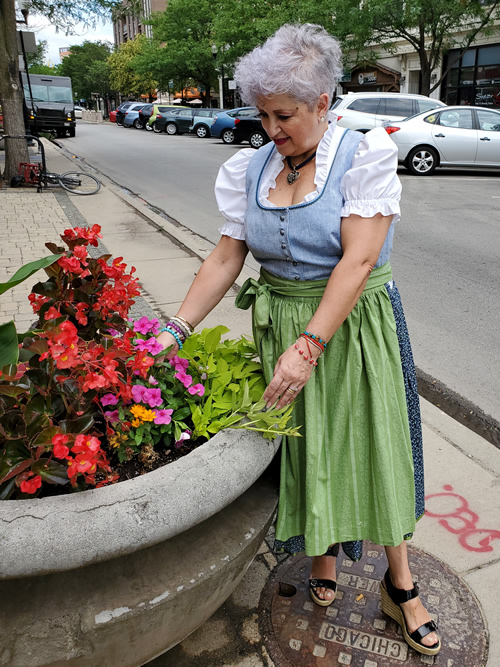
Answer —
350 476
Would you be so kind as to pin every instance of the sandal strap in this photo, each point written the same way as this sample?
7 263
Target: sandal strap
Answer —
398 595
333 550
323 583
423 631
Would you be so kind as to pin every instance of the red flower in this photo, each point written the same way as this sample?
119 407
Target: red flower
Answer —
60 451
86 443
71 264
94 381
80 251
79 314
85 463
31 485
52 313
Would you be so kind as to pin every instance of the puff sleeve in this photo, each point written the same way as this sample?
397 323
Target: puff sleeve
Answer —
231 195
372 186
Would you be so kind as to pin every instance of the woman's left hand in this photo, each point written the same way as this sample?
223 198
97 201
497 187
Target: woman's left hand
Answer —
290 375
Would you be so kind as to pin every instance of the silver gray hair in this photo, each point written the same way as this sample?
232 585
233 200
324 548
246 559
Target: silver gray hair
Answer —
302 61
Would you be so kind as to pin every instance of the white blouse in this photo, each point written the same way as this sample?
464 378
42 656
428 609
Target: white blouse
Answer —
371 186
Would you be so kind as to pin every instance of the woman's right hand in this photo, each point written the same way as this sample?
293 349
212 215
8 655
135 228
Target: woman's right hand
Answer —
166 340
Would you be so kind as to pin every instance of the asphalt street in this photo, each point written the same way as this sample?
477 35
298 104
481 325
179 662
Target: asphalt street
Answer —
446 258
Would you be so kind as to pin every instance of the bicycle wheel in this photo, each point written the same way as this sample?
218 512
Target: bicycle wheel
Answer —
79 182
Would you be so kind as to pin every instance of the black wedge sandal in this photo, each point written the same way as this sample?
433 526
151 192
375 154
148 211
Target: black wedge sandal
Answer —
392 599
329 584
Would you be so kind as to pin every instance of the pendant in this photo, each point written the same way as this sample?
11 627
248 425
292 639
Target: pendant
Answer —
292 177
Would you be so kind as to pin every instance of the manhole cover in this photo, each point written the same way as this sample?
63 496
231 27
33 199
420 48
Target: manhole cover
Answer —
354 631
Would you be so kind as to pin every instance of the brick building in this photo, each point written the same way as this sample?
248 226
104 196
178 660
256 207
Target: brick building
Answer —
129 27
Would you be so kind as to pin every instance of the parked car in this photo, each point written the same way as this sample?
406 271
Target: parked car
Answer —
112 116
159 109
456 136
131 117
202 121
251 130
364 111
120 112
224 123
173 121
78 112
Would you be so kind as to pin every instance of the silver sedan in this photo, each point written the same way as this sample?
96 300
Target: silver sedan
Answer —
458 136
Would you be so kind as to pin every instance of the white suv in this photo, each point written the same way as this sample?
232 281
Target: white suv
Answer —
364 111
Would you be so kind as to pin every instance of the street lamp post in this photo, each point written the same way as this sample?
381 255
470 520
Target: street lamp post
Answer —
221 77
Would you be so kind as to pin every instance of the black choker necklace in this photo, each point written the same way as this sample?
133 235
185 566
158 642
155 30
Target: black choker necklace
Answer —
294 174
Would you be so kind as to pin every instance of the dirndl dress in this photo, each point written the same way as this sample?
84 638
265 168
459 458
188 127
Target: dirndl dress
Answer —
356 472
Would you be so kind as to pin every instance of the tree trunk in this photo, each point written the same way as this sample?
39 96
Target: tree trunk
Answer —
11 93
425 70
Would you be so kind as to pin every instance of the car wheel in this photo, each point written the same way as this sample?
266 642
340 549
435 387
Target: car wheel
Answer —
228 137
156 128
202 131
256 139
137 124
148 127
422 161
119 123
171 128
72 131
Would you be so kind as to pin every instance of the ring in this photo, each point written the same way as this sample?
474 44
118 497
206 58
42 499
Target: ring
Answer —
291 390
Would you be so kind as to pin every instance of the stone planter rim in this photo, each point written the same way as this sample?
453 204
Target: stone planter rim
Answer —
47 535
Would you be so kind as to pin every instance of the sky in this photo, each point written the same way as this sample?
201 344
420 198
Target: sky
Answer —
45 30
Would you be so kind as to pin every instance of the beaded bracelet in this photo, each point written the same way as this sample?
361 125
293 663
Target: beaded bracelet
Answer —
308 340
316 338
174 333
180 320
178 325
309 360
180 331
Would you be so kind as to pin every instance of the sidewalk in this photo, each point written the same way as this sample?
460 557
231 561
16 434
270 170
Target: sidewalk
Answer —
461 528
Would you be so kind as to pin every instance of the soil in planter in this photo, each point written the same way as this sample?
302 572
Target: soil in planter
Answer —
150 459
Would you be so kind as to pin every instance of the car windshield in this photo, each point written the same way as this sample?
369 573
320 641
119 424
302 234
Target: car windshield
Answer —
49 93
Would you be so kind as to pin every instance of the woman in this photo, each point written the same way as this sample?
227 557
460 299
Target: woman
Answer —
316 207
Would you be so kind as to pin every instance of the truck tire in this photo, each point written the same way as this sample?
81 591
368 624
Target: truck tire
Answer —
72 131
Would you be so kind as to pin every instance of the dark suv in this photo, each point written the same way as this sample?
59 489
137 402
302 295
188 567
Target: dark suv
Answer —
120 112
250 129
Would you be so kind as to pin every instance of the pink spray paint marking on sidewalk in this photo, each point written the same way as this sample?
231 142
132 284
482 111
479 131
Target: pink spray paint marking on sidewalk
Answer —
455 515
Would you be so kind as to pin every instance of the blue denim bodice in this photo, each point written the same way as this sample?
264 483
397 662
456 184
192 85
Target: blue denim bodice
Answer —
301 242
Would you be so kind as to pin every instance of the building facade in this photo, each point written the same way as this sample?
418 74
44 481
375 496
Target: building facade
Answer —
473 79
128 27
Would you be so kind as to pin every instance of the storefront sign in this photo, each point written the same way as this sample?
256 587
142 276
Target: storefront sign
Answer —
367 77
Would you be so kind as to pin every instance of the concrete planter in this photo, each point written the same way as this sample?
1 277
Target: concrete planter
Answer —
117 576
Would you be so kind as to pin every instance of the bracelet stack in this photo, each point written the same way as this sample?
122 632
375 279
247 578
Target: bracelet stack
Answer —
179 328
311 339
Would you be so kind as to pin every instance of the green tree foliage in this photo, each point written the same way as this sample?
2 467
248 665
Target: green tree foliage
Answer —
126 78
181 49
431 27
82 64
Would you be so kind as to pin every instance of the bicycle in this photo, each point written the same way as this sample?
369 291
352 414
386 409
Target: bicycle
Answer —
77 182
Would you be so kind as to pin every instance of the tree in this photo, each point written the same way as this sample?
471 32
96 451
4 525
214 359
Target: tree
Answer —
432 27
181 50
65 14
123 76
79 66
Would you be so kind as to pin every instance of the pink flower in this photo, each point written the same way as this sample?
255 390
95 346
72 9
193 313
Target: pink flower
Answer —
112 415
184 378
163 416
196 389
109 399
153 397
145 326
154 346
141 344
179 364
139 392
152 380
184 436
